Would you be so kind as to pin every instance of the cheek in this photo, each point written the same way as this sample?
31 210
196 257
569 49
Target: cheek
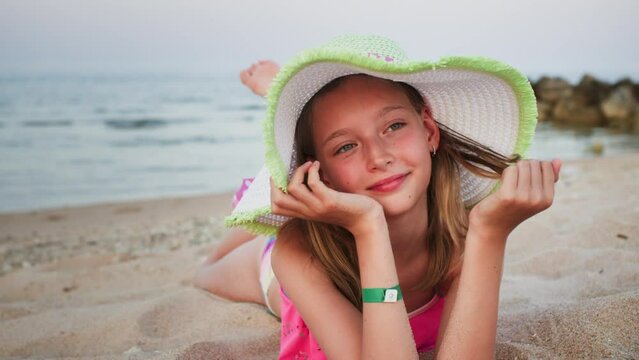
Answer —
411 140
341 177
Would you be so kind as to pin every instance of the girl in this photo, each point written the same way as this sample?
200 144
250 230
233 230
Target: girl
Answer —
391 226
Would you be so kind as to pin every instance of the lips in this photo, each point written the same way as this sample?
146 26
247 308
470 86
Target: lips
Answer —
389 184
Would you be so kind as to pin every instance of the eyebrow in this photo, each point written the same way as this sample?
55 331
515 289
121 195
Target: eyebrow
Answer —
380 113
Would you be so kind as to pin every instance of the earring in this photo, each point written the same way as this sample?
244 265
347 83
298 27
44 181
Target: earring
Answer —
434 151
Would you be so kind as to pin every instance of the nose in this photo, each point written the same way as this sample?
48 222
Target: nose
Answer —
379 155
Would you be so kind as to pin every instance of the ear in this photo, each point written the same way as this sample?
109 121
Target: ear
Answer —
431 129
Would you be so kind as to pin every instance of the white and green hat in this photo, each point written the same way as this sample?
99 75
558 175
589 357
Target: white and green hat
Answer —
481 98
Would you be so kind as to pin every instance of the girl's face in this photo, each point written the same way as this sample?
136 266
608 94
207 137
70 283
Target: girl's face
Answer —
370 140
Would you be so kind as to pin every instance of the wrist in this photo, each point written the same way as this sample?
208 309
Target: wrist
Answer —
488 230
382 295
487 234
372 222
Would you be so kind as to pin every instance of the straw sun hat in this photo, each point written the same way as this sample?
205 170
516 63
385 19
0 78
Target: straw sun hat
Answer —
481 98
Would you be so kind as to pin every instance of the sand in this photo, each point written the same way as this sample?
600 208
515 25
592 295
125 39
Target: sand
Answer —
113 281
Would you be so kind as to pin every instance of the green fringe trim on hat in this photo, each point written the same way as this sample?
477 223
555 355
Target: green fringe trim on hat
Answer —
518 82
247 220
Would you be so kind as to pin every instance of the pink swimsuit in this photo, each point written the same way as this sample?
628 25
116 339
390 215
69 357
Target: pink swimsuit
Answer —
297 342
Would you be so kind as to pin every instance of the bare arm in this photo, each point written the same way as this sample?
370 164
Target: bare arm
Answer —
382 330
469 321
386 330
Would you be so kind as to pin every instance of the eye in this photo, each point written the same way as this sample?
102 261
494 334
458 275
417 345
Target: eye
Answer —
396 126
345 148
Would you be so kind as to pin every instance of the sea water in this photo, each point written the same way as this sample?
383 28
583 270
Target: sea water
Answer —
73 139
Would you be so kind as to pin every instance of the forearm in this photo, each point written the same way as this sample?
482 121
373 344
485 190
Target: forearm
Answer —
386 330
472 326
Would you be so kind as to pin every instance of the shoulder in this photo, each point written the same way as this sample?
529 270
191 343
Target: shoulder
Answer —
291 259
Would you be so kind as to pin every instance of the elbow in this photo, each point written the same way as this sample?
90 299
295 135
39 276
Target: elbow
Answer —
198 280
206 279
464 353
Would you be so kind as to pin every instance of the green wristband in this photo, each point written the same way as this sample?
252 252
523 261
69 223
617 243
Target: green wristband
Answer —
377 295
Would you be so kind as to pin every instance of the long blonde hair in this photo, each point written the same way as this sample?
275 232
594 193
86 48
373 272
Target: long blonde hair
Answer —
334 247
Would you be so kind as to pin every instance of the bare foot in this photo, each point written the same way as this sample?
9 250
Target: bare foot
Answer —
259 76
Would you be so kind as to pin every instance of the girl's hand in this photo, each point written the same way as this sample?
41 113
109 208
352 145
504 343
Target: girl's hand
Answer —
356 213
527 189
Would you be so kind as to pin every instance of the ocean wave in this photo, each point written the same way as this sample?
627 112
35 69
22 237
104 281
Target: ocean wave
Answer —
124 111
16 143
47 123
88 161
187 99
146 123
251 107
145 141
167 169
135 123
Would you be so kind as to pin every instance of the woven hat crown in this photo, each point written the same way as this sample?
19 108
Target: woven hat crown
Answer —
372 46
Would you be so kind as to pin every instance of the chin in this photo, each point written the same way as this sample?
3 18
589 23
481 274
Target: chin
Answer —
394 208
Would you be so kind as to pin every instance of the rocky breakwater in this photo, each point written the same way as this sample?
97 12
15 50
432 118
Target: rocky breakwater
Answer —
591 103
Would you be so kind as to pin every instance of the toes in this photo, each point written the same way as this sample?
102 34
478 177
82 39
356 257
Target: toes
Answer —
244 76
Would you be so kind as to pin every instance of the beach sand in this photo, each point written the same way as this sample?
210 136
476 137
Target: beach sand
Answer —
113 281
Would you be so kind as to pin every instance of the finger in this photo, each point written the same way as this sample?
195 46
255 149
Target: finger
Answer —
314 181
556 167
297 180
298 175
509 180
536 184
244 75
289 206
523 177
276 192
298 188
285 204
548 176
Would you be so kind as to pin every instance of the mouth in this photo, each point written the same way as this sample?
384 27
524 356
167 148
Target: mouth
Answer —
389 184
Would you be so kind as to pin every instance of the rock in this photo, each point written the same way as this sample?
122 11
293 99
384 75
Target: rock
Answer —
597 147
591 91
618 107
628 82
570 112
544 111
551 90
635 121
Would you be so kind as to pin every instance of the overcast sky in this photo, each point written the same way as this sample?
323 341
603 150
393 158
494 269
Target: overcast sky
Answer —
555 37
